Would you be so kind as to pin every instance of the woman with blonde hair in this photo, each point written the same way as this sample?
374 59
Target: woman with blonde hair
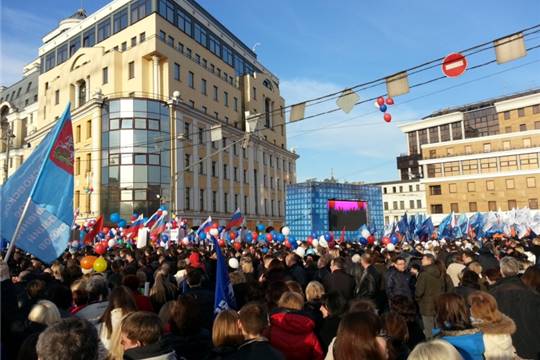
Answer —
496 327
162 291
42 314
226 335
434 350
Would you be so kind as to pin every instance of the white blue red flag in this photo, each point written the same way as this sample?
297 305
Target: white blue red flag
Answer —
236 220
44 185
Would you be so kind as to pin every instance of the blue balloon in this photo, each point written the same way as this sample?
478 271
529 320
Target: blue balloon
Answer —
227 236
327 237
122 223
394 239
294 244
261 227
280 238
292 239
249 237
383 108
202 235
314 234
264 250
115 217
363 240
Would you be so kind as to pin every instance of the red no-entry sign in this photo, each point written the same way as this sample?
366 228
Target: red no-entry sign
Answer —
454 65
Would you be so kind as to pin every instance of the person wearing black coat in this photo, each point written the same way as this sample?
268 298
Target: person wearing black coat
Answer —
369 284
295 269
338 280
398 279
333 307
521 304
487 259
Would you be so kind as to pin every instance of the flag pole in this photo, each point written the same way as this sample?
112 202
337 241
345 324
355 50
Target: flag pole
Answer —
17 230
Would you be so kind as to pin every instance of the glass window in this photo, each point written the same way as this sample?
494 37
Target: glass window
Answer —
510 184
105 75
127 123
433 135
490 185
131 70
528 161
203 86
62 53
418 204
89 37
436 209
488 165
531 182
177 71
74 45
227 55
422 136
140 9
115 124
140 123
522 127
471 187
104 29
521 112
140 159
200 34
492 205
508 163
533 204
184 22
506 115
457 134
452 188
214 45
445 132
120 20
153 159
126 159
139 194
50 60
435 189
190 80
166 9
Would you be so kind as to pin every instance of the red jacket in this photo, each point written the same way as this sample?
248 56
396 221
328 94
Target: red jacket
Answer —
292 333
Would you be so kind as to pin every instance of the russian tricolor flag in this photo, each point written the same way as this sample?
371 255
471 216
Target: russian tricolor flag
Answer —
133 229
152 219
204 226
159 226
236 220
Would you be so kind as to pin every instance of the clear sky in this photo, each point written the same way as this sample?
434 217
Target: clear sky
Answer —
320 46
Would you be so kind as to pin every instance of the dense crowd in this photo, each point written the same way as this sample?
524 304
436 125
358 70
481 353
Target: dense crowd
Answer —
466 299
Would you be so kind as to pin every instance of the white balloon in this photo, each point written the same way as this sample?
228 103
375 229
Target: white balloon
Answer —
376 104
75 244
315 242
214 232
185 241
111 243
286 231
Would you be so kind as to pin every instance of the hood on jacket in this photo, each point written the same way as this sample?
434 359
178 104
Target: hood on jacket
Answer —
292 321
504 326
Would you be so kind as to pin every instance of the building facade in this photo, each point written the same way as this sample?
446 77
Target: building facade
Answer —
18 119
400 197
148 80
480 157
307 209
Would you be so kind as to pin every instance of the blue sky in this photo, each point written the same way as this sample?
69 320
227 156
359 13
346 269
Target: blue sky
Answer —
317 47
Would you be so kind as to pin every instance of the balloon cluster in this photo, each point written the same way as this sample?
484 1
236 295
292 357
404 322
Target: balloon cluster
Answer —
98 264
117 219
88 189
382 104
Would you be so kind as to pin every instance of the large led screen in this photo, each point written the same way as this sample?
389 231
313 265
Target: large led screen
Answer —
346 214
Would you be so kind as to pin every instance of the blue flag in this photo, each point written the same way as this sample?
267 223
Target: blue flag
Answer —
45 184
403 225
444 226
224 296
426 230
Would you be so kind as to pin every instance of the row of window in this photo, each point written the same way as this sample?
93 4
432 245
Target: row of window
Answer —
490 186
395 189
185 22
402 205
78 137
15 94
492 206
521 112
268 210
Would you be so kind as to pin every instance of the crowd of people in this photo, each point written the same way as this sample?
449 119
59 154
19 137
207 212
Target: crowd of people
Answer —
466 299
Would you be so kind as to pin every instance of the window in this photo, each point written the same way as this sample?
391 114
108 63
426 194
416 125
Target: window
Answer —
402 205
508 129
506 115
216 98
528 161
506 145
88 129
200 35
105 75
452 188
197 58
490 185
395 205
533 204
131 70
435 189
492 205
410 188
186 130
254 93
187 161
78 166
78 134
487 147
142 37
536 109
401 189
385 205
61 54
190 80
203 86
120 20
201 133
468 149
184 22
418 204
214 170
531 182
57 97
214 200
166 9
187 198
473 207
471 187
162 35
104 30
436 209
192 103
204 109
522 127
521 112
510 184
457 133
89 37
454 207
433 135
74 45
394 189
385 191
227 55
267 112
411 204
170 41
225 172
226 202
488 165
214 46
139 9
512 204
235 104
201 199
176 71
537 125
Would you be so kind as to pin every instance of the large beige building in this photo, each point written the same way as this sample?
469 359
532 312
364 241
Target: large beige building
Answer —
478 157
147 80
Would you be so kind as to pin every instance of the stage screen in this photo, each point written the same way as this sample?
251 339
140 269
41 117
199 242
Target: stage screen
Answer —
346 214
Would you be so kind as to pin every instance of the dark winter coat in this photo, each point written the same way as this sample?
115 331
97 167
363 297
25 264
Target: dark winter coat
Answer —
398 283
368 285
298 274
221 353
257 349
487 259
157 351
292 333
341 282
194 347
430 284
521 304
328 331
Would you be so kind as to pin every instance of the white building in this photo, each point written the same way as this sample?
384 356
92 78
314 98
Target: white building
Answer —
402 196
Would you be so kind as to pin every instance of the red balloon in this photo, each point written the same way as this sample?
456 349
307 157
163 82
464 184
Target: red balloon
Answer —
221 243
215 225
287 244
105 230
310 240
232 234
269 237
371 239
380 100
386 240
389 101
100 249
387 117
255 235
237 246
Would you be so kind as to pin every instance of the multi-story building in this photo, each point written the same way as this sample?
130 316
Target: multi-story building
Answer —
18 118
147 80
402 196
307 207
480 157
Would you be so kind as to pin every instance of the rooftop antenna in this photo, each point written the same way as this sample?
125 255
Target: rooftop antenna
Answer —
254 46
